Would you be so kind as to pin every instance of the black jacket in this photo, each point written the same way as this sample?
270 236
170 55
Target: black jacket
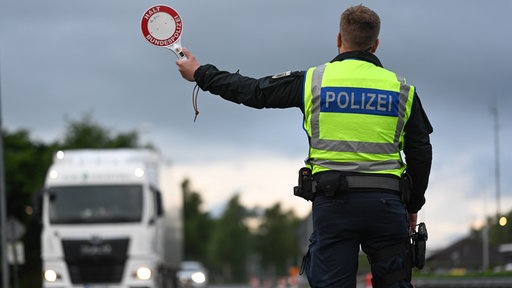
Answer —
285 90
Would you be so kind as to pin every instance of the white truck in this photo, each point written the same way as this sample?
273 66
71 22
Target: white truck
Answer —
111 218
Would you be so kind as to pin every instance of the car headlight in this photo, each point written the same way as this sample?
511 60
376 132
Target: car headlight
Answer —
143 273
198 277
50 275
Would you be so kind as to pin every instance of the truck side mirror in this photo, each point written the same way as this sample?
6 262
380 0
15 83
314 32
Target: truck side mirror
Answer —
37 205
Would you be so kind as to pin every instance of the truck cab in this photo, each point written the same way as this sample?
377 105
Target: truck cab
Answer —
107 221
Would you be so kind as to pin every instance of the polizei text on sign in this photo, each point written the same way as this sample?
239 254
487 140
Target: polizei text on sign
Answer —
169 41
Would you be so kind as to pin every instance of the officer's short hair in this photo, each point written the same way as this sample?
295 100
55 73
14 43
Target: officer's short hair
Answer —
359 27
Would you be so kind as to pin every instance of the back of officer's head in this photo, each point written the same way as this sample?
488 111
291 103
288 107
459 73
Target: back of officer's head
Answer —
359 27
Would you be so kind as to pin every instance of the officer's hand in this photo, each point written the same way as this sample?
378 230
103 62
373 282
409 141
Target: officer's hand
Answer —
413 219
188 66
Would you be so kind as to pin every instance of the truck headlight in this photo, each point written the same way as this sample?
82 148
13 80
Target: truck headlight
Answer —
50 275
143 273
198 277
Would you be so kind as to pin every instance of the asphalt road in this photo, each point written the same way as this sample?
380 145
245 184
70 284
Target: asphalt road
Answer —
229 286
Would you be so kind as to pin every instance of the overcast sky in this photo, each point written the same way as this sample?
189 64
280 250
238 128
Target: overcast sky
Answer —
60 60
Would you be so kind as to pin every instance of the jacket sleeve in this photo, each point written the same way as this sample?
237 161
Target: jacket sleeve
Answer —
418 153
266 92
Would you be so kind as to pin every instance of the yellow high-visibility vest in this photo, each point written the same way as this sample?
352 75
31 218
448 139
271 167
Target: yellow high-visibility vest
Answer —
354 114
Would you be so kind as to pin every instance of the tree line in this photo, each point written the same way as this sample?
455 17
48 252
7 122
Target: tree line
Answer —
240 243
243 242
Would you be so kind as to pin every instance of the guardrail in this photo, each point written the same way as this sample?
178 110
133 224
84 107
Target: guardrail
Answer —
464 282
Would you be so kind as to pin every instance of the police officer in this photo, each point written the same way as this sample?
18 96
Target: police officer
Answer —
358 117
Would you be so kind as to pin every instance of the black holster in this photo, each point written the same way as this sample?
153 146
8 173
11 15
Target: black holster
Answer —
419 246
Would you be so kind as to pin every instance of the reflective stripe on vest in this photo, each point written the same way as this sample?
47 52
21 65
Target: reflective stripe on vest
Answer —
391 163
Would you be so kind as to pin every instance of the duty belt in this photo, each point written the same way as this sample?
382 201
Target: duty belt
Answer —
373 182
331 183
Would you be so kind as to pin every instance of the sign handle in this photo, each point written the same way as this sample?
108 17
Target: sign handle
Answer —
176 48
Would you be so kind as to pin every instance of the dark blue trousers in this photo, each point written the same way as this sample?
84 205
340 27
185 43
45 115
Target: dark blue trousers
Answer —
342 224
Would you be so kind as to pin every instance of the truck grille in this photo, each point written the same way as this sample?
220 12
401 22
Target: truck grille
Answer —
95 260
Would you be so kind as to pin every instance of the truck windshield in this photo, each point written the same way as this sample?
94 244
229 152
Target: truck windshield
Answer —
95 204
